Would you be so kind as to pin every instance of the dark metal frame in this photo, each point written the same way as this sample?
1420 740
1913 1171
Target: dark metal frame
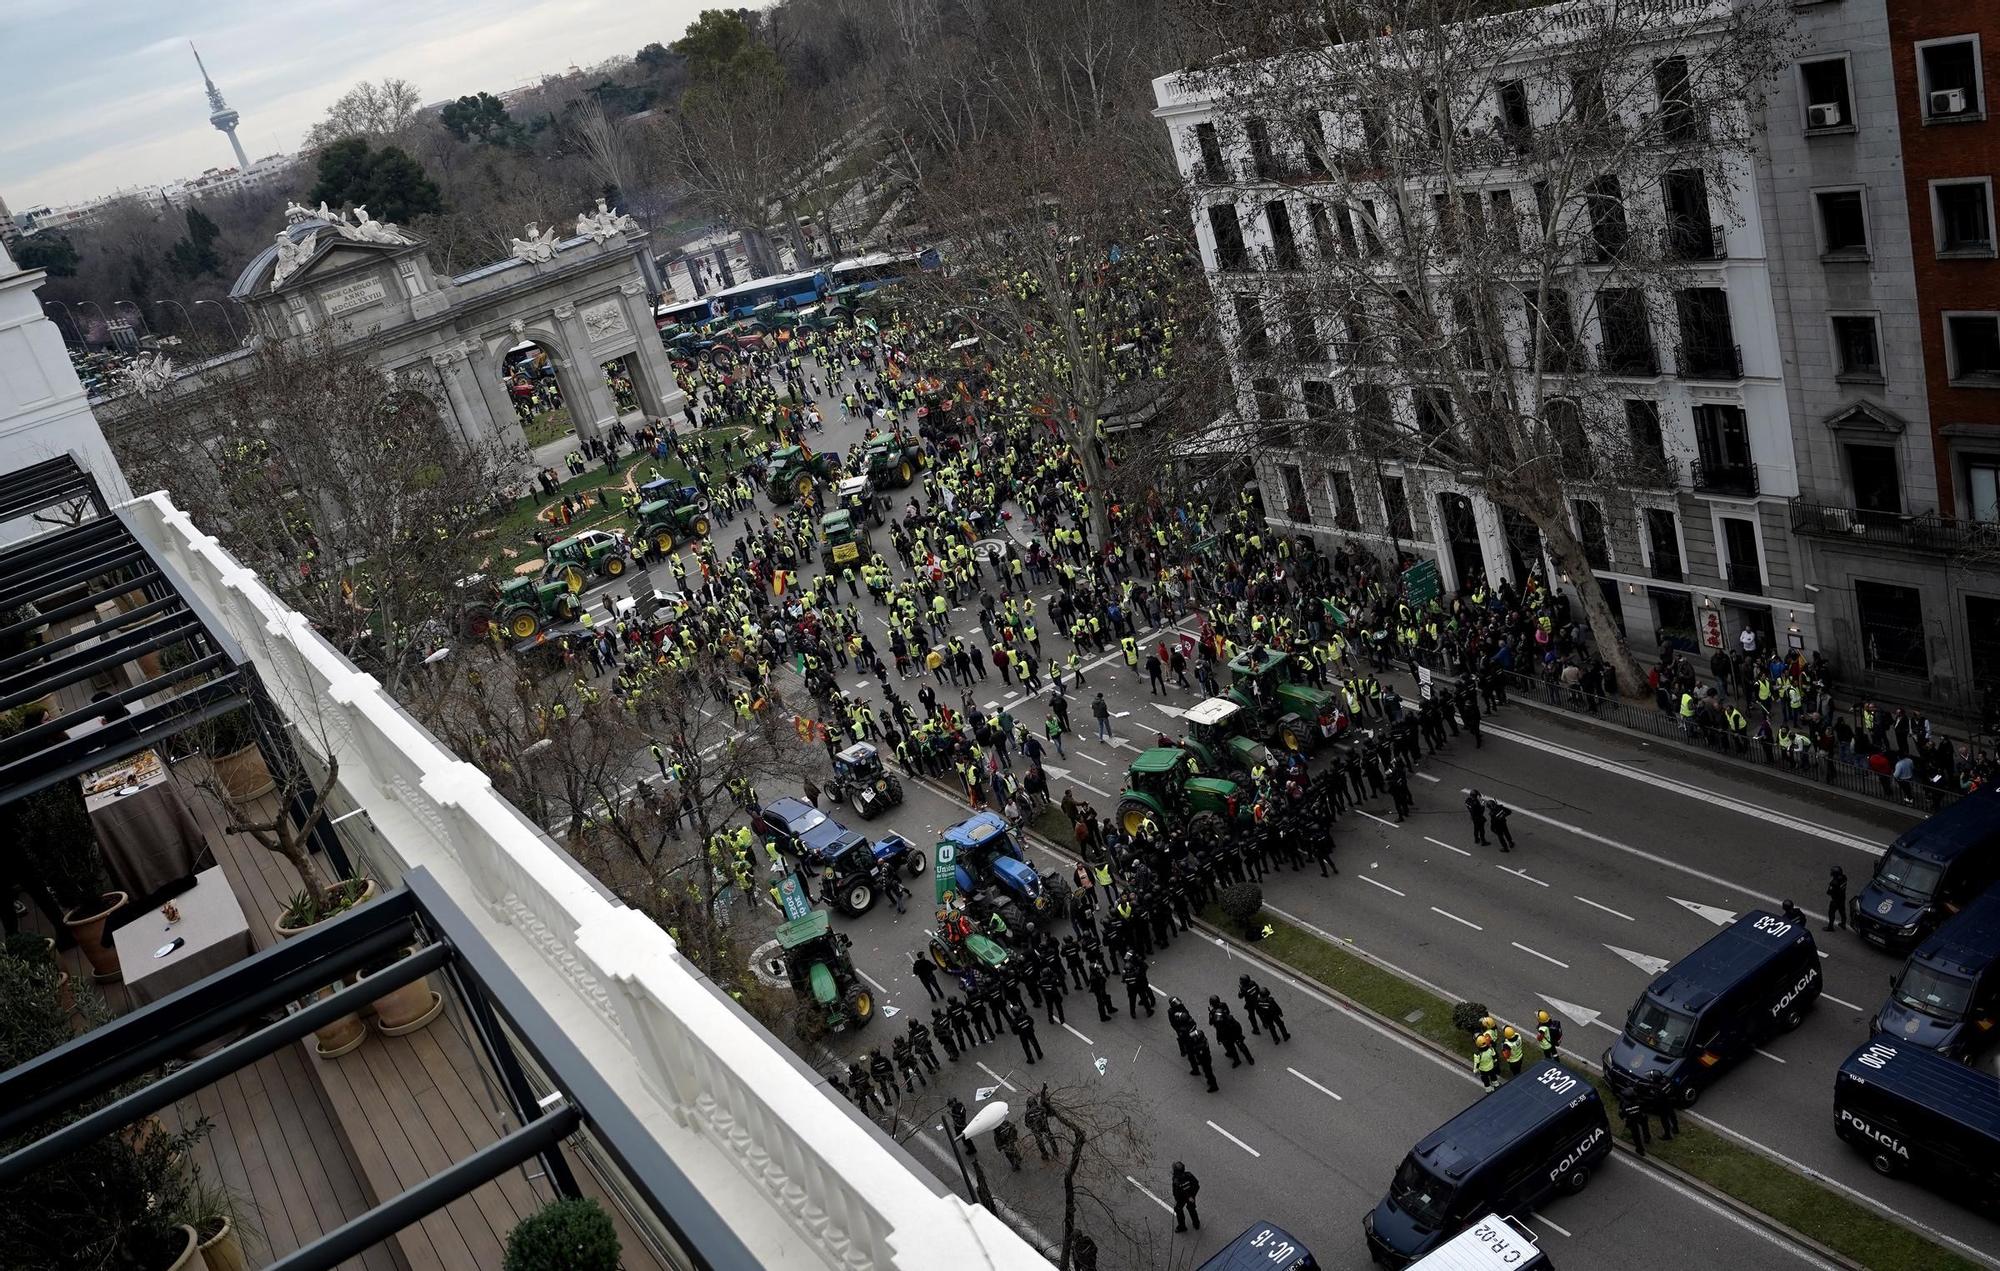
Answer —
503 1011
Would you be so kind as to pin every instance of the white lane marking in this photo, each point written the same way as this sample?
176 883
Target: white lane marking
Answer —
1606 908
1644 961
1629 850
1455 918
1767 1054
1425 776
1448 847
1233 1139
1708 913
1858 1010
1546 1222
1148 1195
1093 758
1371 816
1543 956
1729 1215
880 987
1709 797
1581 1014
1521 874
1314 1084
1384 886
997 1077
1079 1036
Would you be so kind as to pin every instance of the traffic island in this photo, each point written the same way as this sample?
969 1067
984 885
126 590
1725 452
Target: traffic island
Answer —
1727 1171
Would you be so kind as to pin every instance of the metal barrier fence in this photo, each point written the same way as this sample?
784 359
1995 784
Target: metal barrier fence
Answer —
1851 775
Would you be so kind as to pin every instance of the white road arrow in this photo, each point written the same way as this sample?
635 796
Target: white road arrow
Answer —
1174 711
1720 917
1644 961
1583 1015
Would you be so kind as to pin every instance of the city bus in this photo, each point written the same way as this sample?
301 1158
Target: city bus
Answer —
685 313
876 269
790 291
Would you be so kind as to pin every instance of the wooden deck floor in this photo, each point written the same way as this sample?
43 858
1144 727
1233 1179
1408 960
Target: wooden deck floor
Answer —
315 1142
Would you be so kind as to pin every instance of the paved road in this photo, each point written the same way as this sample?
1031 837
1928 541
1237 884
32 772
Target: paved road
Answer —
1630 856
1307 1138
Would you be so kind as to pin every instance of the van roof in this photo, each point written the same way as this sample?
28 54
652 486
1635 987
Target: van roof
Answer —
1501 1119
1973 820
1969 941
1966 1095
1732 953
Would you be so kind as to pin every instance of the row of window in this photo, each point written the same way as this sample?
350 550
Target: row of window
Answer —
1950 88
1961 219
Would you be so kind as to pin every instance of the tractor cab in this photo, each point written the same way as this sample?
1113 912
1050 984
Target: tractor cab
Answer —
860 780
664 522
981 862
858 763
893 460
822 973
856 496
591 554
526 606
1289 711
1164 786
966 851
791 473
843 540
1219 733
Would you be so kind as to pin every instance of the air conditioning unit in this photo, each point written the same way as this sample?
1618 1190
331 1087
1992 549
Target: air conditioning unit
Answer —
1823 115
1948 101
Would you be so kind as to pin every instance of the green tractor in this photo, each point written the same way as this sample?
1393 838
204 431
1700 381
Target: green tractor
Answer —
523 607
1287 711
1162 786
1214 732
894 460
791 473
822 974
844 540
580 557
662 524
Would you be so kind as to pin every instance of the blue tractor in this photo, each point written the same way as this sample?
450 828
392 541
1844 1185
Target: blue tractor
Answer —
981 860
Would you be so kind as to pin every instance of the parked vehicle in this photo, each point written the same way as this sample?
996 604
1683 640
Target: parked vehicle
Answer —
1947 996
1491 1244
980 862
522 607
843 540
1756 977
1283 709
822 972
586 555
1912 1112
861 781
1930 872
1263 1246
1162 785
1542 1132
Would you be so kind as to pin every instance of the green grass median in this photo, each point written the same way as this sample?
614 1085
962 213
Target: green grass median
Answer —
1841 1224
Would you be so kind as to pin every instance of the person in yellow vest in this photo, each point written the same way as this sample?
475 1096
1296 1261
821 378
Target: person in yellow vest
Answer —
1513 1049
1131 650
1484 1060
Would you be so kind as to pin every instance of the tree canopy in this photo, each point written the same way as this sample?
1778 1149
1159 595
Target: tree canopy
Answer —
388 181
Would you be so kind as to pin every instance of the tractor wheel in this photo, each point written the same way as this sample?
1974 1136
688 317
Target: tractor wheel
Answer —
477 623
573 579
916 862
663 542
906 472
859 1004
895 792
699 525
1289 738
804 485
1208 828
858 899
614 566
1056 888
523 625
1132 814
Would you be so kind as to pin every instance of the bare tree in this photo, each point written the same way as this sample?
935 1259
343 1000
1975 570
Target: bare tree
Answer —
341 485
1446 196
372 108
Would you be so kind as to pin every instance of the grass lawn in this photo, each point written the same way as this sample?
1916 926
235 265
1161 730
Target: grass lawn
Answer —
550 425
1753 1179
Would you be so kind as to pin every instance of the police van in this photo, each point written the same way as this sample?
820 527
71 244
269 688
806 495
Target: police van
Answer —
1947 996
1911 1111
1263 1246
1491 1244
1756 977
1930 872
1542 1132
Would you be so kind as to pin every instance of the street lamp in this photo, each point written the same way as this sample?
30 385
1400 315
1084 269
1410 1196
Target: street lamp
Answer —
145 327
984 1120
225 317
100 311
74 329
178 305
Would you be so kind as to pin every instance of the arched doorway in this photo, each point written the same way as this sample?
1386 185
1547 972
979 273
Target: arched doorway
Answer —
530 372
1461 538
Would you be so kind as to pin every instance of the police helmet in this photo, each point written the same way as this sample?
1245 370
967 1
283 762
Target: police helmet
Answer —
1215 999
1509 1033
1486 1022
1485 1040
1541 1017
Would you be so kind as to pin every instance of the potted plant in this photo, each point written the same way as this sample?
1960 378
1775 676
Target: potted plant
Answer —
231 744
565 1235
55 830
306 909
220 1221
406 1009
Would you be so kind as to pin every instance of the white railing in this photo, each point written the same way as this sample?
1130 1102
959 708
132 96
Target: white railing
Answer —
752 1131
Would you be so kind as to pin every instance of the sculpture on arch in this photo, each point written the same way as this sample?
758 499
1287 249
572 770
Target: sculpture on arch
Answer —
291 255
604 224
538 247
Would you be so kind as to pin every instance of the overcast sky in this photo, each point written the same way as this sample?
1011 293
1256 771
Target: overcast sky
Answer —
103 94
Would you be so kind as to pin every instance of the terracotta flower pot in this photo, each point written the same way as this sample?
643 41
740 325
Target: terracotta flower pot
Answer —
242 774
88 930
223 1251
190 1258
338 1036
407 1009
